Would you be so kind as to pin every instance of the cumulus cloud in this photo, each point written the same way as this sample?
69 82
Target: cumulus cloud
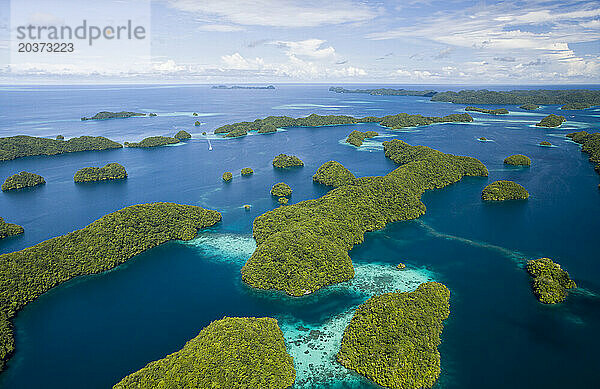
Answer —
313 48
220 28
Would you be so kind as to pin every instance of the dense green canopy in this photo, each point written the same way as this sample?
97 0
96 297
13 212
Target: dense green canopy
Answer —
536 96
9 229
227 176
22 180
281 189
113 115
550 281
231 353
518 160
499 111
551 120
392 339
285 161
154 141
102 245
385 91
111 171
575 106
504 190
182 134
23 146
334 174
590 144
529 107
246 171
356 138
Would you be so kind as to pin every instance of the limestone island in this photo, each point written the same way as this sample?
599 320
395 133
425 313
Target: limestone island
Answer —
504 190
356 138
333 173
283 161
393 338
385 91
111 171
529 107
227 176
197 123
401 266
281 189
247 171
518 160
576 106
60 137
550 282
590 144
520 97
545 143
247 207
152 114
182 135
13 147
234 352
483 139
242 87
153 141
283 200
113 115
9 229
393 122
101 246
22 180
304 247
499 111
551 120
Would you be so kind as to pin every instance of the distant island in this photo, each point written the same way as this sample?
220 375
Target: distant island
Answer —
182 135
242 87
545 143
111 171
22 180
385 91
153 141
25 146
356 138
283 161
518 97
234 352
551 120
113 115
550 281
9 229
247 171
499 111
518 160
101 246
504 190
333 173
393 338
576 106
590 144
227 176
529 107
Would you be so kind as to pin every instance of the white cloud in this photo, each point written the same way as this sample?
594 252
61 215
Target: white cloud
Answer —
168 66
312 48
237 61
220 28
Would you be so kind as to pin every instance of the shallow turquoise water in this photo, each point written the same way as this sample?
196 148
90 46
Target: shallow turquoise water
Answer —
94 330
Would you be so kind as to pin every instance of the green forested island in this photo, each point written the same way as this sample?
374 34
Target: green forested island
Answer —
536 96
590 144
283 200
246 171
551 120
550 281
545 143
182 134
304 247
385 91
284 161
518 160
9 229
499 111
113 115
529 107
234 352
154 141
356 138
60 137
102 245
22 180
227 176
401 120
392 339
242 87
504 190
333 173
24 146
576 106
111 171
281 189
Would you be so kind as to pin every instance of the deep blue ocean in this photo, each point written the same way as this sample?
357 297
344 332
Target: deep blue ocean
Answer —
92 331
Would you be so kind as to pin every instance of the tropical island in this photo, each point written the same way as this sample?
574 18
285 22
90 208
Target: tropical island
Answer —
551 120
154 141
356 138
281 189
182 135
499 111
234 352
283 200
113 115
227 176
401 120
247 171
518 97
529 107
385 91
101 246
242 87
518 160
550 281
576 106
482 139
111 171
22 180
9 229
504 190
13 147
283 161
545 143
60 137
392 338
590 144
304 247
333 173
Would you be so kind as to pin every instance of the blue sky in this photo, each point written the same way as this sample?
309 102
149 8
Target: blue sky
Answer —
413 41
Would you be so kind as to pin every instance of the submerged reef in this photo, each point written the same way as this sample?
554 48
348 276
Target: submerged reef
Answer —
590 144
499 111
234 352
22 180
285 161
356 138
111 171
536 96
550 281
281 189
154 141
504 190
304 247
246 171
392 338
24 146
551 120
518 160
9 229
103 245
182 134
529 107
227 176
333 173
113 115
